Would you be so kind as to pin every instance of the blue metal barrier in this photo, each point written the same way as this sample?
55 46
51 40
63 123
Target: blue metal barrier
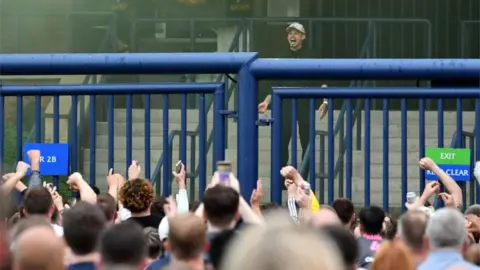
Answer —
212 63
250 70
367 94
126 89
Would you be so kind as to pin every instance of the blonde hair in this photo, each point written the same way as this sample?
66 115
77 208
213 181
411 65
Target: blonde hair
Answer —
393 255
281 245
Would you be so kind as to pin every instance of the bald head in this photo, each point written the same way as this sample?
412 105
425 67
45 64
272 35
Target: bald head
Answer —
39 248
325 217
187 236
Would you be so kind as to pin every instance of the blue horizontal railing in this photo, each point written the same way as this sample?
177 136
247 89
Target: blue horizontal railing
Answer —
156 175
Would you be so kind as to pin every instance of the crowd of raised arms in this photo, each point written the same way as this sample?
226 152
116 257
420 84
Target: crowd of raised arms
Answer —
129 228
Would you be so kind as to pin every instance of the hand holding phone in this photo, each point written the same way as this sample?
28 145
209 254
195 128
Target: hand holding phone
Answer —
178 167
224 168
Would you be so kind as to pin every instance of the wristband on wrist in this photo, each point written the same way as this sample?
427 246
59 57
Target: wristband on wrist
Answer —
36 171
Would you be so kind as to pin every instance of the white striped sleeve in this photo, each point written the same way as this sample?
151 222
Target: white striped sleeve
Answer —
292 208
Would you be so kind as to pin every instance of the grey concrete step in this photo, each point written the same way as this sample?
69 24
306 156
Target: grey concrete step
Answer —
138 129
138 142
156 115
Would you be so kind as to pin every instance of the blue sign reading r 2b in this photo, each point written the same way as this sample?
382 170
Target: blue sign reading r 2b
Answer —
53 157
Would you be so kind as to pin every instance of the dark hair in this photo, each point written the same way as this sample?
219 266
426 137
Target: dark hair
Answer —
219 245
220 205
37 201
107 204
371 219
123 244
344 209
346 242
136 195
193 206
154 243
157 206
82 226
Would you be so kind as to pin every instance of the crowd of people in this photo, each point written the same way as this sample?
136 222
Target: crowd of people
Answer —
130 228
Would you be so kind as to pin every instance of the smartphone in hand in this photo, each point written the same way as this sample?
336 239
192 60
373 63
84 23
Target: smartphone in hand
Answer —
224 168
178 166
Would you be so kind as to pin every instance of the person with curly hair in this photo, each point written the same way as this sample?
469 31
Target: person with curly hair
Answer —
137 195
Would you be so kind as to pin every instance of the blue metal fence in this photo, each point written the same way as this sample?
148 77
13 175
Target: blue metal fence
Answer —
250 69
369 93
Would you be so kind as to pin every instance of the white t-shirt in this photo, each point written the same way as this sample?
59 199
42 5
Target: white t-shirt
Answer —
58 230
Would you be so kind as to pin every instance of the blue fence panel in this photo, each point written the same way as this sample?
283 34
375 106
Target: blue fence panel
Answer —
130 64
368 94
250 70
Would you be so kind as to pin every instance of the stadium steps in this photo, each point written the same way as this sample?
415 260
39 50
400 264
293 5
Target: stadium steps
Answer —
64 110
376 168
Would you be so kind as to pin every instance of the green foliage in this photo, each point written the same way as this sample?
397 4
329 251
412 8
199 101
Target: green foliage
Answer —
10 139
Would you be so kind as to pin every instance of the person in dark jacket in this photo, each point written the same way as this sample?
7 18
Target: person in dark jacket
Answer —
296 36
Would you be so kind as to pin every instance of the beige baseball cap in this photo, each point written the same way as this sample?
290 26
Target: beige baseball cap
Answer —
297 26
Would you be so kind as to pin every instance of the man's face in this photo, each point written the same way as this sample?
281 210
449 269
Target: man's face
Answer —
295 38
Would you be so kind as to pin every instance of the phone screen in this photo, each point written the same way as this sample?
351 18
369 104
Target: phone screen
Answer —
224 168
178 166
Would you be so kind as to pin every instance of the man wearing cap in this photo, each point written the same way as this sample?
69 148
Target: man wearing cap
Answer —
296 35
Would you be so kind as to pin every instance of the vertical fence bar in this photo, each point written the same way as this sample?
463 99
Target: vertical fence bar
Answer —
341 146
38 119
367 151
293 130
56 129
166 153
358 113
386 156
421 135
459 144
247 127
440 123
322 169
2 130
147 117
202 148
349 148
276 146
93 141
128 131
477 142
19 128
312 131
74 141
404 151
219 124
183 132
472 184
331 153
111 134
440 129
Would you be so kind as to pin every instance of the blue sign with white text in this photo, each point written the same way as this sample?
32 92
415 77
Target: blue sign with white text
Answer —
53 157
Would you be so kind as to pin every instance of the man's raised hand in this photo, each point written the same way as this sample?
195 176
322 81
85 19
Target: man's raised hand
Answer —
134 170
